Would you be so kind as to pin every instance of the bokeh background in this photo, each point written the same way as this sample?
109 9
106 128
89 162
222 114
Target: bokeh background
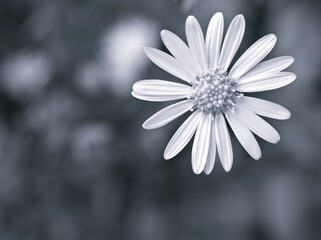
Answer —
75 162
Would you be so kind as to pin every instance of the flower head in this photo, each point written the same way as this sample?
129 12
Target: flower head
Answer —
215 92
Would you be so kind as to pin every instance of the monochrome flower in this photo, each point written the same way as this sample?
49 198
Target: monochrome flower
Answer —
215 92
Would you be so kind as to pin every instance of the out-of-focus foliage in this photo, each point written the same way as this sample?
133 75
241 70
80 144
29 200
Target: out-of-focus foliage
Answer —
75 162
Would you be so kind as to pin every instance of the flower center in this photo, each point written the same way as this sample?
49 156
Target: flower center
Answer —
214 91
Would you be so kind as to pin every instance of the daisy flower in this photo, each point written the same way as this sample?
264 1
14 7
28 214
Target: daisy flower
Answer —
214 93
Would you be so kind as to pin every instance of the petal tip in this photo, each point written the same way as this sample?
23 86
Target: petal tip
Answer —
289 115
146 126
190 21
196 171
273 37
227 169
286 114
276 140
164 32
258 157
135 95
291 59
218 15
240 17
134 87
167 154
147 50
190 17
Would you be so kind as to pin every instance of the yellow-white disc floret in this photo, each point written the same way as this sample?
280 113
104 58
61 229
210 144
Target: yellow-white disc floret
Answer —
214 91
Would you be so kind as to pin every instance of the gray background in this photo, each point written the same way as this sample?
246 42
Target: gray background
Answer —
75 162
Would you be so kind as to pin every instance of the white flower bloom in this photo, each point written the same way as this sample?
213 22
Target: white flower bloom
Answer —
214 93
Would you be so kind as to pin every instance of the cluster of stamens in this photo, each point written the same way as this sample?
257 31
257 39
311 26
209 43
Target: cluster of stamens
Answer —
214 91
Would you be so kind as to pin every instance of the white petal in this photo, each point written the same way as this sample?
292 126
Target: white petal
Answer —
168 114
265 108
256 124
157 98
160 90
182 136
244 135
169 64
232 41
273 65
223 142
201 143
214 39
196 43
211 152
265 82
178 49
161 87
253 55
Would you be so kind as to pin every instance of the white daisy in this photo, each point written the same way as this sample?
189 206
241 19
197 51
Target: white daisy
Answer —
215 93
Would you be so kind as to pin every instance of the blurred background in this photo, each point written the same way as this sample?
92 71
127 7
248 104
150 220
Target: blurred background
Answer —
75 162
